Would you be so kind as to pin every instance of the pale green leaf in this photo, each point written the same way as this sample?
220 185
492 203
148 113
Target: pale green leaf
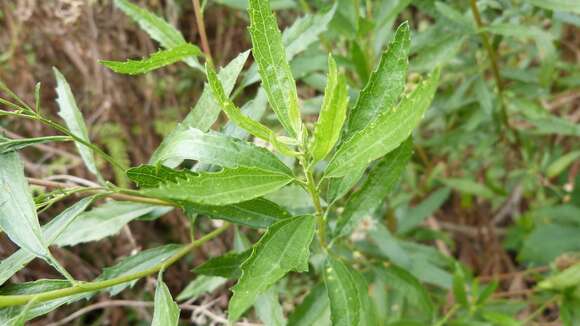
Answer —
312 307
559 165
568 278
385 85
339 187
227 266
416 215
17 211
9 145
166 312
101 222
386 132
157 28
203 115
243 4
74 120
228 186
140 262
202 284
332 113
155 61
557 5
408 286
469 186
269 310
270 55
347 292
285 247
51 232
379 183
219 149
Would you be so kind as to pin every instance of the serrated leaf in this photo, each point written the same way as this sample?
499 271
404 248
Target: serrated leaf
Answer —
166 312
203 115
386 132
151 176
228 186
385 84
9 145
155 61
270 55
381 180
51 232
332 113
312 307
139 262
283 248
17 211
74 120
256 213
219 149
227 266
157 28
101 222
347 292
202 284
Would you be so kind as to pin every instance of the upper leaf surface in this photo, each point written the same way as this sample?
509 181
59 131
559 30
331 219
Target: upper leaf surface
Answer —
228 186
155 61
227 265
386 133
285 247
385 84
273 66
166 312
332 113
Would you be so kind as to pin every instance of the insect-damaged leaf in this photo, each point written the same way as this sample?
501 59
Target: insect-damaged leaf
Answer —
270 55
386 132
285 247
228 186
155 61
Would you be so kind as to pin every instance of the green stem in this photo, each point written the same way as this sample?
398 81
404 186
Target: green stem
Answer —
16 300
314 195
448 315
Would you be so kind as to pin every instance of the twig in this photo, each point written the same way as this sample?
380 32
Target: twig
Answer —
201 27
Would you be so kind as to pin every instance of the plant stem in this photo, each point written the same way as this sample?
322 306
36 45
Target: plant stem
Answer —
201 28
448 315
319 212
15 300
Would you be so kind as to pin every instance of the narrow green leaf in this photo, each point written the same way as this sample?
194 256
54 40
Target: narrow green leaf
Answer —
270 55
269 310
17 211
385 133
379 183
228 186
256 213
312 307
339 187
51 232
219 149
385 84
469 186
557 5
166 312
285 247
74 120
347 292
139 262
9 145
409 286
157 28
155 61
101 222
332 113
459 287
232 111
416 215
227 266
202 284
568 278
559 165
203 115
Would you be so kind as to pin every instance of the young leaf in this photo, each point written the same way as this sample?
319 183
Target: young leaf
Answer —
9 145
157 28
285 247
139 262
255 213
166 312
203 115
202 284
155 61
51 231
227 266
380 181
17 211
74 120
273 66
219 149
232 111
385 133
228 186
332 113
385 84
347 292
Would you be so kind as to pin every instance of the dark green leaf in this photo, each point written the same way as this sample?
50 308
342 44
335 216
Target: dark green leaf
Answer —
227 266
